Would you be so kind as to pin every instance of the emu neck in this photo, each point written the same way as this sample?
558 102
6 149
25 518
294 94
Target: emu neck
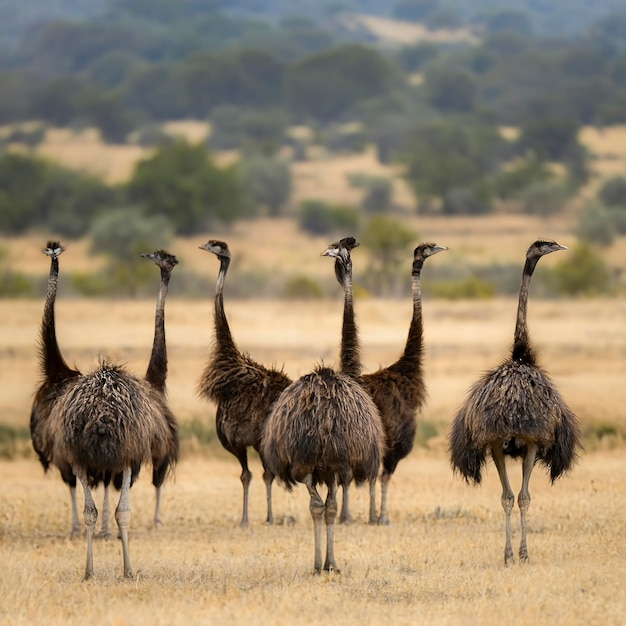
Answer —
54 367
223 337
522 350
156 374
414 343
350 357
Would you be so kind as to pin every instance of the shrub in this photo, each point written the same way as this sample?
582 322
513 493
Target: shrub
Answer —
302 287
474 200
613 192
596 225
544 198
378 192
471 287
265 183
583 272
318 218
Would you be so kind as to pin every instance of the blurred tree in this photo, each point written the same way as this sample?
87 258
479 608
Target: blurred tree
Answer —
123 235
509 20
388 240
444 156
181 182
613 192
265 184
413 10
412 58
35 193
519 175
544 198
318 218
583 273
326 86
449 89
596 225
549 138
378 192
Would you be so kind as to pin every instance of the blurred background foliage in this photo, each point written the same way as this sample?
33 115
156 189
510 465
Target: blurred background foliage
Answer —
486 119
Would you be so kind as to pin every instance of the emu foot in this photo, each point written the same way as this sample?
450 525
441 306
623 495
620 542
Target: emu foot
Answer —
383 520
346 519
523 556
509 559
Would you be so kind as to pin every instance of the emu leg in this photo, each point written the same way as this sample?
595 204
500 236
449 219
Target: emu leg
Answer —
330 514
157 508
246 477
508 498
373 517
159 472
384 486
345 516
90 514
317 508
105 533
523 499
268 479
75 523
122 517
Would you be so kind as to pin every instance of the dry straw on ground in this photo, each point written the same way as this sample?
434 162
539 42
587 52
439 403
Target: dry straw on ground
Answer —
441 560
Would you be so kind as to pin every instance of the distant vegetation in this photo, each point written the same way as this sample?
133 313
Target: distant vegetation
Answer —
254 71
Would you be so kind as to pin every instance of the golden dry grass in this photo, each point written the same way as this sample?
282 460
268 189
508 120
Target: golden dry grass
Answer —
440 562
581 343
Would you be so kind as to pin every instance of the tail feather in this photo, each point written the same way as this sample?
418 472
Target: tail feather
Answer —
465 457
562 455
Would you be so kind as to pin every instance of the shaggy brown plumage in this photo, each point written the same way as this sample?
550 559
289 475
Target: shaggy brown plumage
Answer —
243 390
515 410
56 373
109 422
324 427
156 376
399 390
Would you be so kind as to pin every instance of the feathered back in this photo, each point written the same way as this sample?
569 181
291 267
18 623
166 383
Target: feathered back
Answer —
324 422
109 420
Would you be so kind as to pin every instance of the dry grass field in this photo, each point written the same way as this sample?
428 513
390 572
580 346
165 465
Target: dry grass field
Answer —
441 560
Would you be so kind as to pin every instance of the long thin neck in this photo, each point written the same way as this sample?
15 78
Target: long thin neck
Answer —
156 373
522 350
414 342
350 356
223 337
54 367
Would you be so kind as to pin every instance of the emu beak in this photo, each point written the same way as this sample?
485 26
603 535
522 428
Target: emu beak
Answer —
437 248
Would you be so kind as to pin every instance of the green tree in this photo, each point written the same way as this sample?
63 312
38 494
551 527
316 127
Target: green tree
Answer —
34 192
265 183
446 156
596 225
413 10
550 138
318 218
388 240
584 273
182 182
123 235
613 192
327 85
